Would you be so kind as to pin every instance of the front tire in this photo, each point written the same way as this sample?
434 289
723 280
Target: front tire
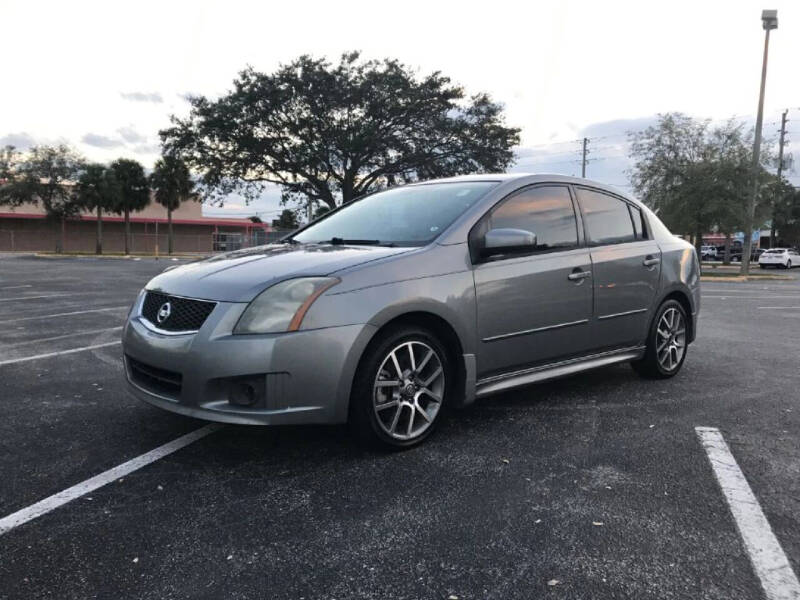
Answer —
401 388
667 343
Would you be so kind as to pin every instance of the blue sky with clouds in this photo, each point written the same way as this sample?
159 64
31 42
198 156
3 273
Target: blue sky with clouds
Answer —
105 77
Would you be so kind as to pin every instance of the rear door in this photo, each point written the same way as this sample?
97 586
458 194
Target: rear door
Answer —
533 307
626 268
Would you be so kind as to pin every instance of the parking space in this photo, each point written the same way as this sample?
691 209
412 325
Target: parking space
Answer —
595 486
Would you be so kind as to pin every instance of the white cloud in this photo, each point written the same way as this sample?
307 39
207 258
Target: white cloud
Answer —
101 141
131 135
142 97
21 141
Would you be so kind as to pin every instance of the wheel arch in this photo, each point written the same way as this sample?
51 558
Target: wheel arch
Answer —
439 326
684 299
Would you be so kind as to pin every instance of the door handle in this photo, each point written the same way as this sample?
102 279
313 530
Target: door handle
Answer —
650 261
579 275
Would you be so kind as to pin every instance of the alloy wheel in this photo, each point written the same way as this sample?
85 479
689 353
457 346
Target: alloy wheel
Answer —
408 390
671 339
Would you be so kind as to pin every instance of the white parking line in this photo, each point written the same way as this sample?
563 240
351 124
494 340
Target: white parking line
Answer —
76 491
766 555
65 336
37 297
12 361
15 287
778 307
65 314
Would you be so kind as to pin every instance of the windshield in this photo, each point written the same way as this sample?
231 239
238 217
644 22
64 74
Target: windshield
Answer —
402 216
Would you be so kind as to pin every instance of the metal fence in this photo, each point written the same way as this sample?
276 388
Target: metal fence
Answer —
226 242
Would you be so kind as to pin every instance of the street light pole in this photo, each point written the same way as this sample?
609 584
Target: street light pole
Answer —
769 21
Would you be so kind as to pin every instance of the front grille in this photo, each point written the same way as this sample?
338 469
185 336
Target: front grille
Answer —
155 379
185 314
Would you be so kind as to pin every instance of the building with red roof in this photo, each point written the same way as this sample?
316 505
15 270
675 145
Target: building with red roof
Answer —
26 228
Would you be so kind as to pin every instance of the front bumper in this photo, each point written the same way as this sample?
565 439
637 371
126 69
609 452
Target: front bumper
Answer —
300 377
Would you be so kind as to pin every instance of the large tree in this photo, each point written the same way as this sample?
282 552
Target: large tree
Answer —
328 133
9 158
46 175
133 192
98 190
172 184
693 175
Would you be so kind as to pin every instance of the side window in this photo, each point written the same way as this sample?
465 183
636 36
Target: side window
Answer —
638 223
546 211
607 219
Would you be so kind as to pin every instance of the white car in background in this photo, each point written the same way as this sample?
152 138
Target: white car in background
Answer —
708 253
779 257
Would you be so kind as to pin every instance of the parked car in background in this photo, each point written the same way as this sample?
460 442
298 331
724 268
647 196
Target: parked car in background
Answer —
785 258
755 253
394 308
708 252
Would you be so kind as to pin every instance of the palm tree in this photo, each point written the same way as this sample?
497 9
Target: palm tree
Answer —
134 195
98 190
172 183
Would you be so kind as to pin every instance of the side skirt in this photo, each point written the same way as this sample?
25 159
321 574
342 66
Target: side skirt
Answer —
507 381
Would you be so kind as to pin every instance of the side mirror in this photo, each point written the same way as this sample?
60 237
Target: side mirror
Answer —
501 241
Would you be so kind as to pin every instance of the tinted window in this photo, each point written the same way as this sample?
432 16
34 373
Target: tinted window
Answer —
638 223
545 211
406 216
606 218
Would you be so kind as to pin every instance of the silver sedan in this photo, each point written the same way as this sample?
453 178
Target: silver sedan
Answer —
397 307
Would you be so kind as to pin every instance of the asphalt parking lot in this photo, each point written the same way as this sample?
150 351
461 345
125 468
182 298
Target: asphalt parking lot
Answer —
595 486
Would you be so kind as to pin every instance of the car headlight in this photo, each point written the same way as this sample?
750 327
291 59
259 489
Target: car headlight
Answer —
283 306
136 302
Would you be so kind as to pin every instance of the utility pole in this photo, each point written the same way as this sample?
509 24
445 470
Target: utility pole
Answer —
309 211
780 172
583 161
769 21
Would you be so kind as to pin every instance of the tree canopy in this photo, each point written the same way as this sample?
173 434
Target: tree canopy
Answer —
98 188
696 177
286 221
45 174
171 182
328 133
134 192
787 213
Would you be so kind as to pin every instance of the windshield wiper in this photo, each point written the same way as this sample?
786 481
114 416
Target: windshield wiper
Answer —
289 241
337 241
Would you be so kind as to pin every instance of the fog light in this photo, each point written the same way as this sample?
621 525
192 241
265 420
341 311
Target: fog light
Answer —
242 394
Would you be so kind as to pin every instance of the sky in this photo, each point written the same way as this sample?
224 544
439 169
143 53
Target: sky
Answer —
106 76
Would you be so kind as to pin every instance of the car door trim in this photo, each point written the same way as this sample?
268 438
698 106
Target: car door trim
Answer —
623 314
502 382
504 336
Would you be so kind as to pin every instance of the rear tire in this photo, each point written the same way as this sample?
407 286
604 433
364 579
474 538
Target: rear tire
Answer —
401 388
667 343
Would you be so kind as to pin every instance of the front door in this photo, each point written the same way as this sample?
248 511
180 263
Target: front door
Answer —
626 268
533 308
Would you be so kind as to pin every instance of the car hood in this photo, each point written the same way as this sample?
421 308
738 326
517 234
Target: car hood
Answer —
241 275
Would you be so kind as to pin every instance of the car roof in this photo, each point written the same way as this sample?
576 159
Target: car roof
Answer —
531 178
